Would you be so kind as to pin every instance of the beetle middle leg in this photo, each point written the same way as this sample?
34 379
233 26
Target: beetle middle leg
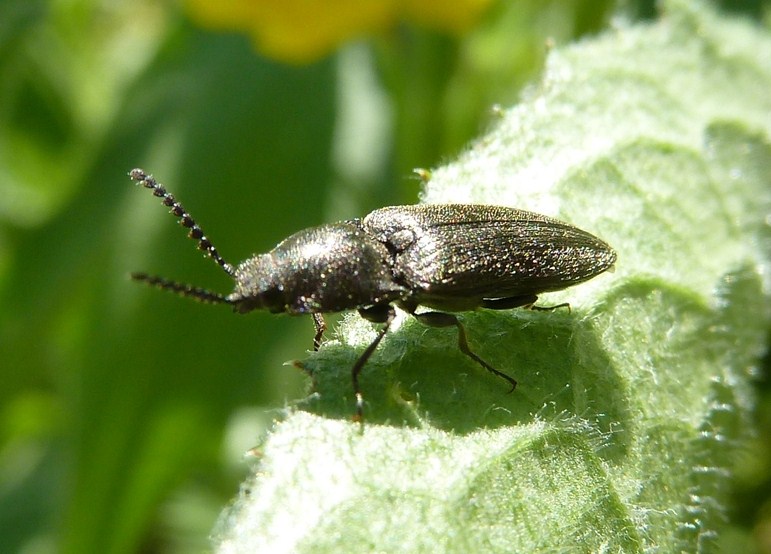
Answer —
379 313
442 319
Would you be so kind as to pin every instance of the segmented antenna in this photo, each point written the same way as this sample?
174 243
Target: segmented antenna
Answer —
182 289
186 220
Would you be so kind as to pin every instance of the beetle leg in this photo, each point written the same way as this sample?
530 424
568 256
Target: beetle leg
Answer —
509 302
381 313
525 301
441 319
321 326
549 308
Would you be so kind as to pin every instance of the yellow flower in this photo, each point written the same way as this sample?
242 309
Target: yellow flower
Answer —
301 31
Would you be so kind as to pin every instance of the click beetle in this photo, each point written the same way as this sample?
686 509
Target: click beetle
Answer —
443 257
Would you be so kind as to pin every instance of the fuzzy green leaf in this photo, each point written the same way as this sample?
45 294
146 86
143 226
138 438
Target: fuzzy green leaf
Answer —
622 433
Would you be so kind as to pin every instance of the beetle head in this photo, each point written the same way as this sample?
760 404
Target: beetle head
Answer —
257 286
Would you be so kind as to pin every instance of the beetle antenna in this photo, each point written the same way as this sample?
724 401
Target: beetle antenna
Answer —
195 233
182 289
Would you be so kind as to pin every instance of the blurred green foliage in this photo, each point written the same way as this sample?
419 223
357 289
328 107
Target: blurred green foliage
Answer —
124 411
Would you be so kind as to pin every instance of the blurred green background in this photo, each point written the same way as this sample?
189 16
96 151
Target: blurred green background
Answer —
125 413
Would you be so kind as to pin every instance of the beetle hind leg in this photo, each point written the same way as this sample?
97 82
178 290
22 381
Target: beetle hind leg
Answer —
526 301
442 319
549 308
510 302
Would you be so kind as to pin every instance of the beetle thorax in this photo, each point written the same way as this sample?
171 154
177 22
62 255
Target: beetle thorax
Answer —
324 269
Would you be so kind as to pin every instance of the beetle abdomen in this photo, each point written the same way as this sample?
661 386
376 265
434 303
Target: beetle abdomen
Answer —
469 251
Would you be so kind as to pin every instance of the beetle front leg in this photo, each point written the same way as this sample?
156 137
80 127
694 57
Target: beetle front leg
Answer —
441 319
321 326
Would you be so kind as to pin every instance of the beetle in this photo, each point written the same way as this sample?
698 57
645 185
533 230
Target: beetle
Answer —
443 257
